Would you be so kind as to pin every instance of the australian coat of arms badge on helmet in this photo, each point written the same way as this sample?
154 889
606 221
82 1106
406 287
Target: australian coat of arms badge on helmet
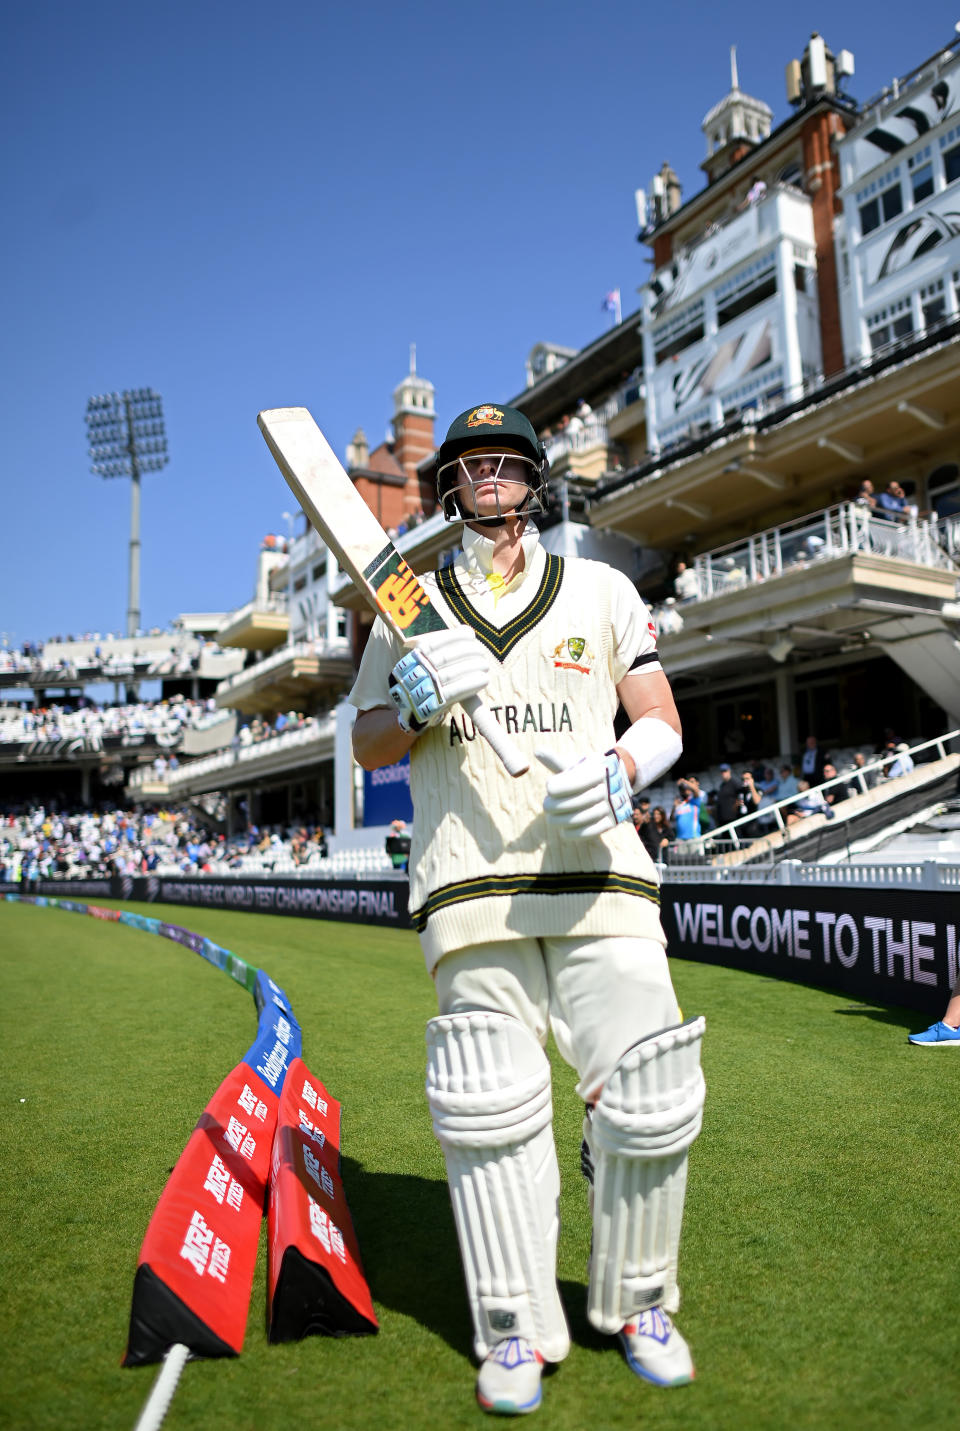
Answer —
485 417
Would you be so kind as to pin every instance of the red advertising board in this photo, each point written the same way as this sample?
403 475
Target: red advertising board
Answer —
316 1283
196 1265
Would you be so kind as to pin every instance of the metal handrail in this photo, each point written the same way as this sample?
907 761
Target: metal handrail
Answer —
832 531
731 831
339 646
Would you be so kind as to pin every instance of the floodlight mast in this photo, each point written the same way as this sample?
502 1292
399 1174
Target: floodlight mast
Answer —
127 438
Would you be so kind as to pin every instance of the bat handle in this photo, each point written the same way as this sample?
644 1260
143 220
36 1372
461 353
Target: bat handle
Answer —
512 759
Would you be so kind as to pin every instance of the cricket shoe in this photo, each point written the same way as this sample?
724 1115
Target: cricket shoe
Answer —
509 1379
939 1035
655 1349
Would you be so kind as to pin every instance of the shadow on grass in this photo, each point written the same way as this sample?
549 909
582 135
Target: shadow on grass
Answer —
404 1225
409 1248
900 1018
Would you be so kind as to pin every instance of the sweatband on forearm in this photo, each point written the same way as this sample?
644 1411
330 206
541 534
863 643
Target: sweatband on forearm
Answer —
654 747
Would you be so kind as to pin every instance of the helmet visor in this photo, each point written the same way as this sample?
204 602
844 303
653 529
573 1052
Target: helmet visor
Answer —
489 486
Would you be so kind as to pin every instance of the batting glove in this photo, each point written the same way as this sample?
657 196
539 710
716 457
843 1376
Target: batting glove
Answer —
443 668
589 797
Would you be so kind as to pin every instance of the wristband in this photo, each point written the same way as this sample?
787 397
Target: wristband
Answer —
654 746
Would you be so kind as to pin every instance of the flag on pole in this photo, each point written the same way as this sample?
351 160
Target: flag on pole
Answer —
611 304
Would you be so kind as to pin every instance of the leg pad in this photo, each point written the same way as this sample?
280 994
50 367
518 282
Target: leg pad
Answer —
647 1115
488 1087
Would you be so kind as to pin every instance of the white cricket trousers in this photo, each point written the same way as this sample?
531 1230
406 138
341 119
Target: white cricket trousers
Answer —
600 996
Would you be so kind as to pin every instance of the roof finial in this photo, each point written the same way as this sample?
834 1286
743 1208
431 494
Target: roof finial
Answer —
413 360
734 79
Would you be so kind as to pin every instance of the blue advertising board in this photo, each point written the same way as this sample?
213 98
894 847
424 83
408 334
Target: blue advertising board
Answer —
386 794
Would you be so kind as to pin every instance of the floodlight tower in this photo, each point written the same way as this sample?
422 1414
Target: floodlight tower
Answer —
126 439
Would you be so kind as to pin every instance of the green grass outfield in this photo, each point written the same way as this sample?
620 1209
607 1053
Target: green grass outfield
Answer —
819 1266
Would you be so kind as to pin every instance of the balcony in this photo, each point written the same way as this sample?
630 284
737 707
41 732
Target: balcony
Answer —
836 581
582 450
298 676
784 212
878 418
280 754
261 625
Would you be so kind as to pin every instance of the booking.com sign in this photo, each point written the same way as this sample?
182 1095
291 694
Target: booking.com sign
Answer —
386 794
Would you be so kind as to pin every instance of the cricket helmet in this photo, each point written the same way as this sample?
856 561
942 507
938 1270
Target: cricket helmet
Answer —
490 426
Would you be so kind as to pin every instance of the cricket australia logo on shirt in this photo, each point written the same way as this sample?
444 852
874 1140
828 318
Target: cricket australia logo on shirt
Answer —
573 654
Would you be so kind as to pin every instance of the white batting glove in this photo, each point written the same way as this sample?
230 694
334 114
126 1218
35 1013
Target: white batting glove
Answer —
443 668
589 797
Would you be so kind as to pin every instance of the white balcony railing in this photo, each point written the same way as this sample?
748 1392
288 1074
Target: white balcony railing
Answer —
248 756
835 531
589 432
324 650
268 605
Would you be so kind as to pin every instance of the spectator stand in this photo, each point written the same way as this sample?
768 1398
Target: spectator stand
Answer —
878 802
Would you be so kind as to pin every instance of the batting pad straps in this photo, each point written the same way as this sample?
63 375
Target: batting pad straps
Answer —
654 745
488 1087
647 1115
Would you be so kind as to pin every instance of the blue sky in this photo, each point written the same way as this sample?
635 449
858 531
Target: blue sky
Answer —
246 206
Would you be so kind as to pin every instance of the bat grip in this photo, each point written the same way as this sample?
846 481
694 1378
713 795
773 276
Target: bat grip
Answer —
512 759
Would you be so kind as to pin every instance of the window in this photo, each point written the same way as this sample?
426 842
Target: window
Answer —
341 623
300 583
933 303
746 299
881 209
921 180
880 201
791 174
933 311
678 333
320 570
951 163
889 324
753 285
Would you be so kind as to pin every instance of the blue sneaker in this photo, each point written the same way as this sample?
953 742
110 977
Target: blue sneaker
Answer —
938 1035
509 1380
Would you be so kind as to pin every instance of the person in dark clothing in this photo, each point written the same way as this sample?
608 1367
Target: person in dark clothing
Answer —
728 798
811 761
644 826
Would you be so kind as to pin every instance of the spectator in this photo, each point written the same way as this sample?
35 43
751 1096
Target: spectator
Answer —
868 779
811 802
398 844
835 793
669 620
892 503
812 760
663 829
866 497
706 819
686 586
731 575
727 799
686 812
645 828
903 763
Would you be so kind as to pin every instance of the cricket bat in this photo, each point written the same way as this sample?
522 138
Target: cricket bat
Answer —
362 547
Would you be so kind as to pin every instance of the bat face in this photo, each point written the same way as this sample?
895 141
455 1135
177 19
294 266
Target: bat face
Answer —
399 595
345 522
361 546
